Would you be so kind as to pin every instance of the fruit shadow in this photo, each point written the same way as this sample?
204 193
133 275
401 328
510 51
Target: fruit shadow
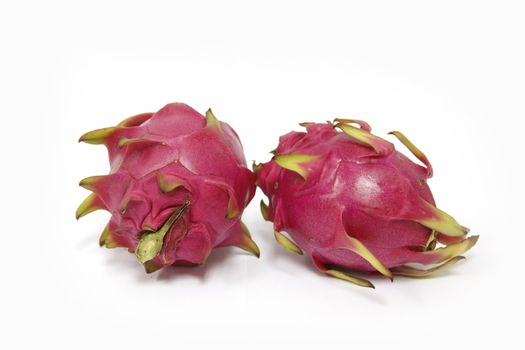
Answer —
284 262
125 262
84 242
217 260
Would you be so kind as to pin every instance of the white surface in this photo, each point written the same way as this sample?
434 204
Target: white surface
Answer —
450 74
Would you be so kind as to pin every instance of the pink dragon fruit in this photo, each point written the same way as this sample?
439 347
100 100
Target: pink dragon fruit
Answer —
177 187
352 202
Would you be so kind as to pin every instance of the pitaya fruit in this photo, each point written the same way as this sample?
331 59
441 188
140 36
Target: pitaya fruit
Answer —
177 187
352 202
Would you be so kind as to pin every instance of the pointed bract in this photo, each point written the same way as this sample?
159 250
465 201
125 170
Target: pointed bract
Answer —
211 120
451 251
104 236
264 210
415 151
345 276
295 162
233 207
442 223
89 205
362 124
409 271
360 249
239 236
90 183
167 184
382 147
99 136
287 243
107 240
247 242
341 275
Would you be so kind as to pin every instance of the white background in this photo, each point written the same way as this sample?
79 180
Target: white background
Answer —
449 74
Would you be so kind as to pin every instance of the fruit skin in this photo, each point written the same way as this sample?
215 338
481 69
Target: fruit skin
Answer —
177 187
349 200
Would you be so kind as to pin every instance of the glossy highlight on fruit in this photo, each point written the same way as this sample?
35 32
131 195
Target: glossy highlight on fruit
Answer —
177 187
351 202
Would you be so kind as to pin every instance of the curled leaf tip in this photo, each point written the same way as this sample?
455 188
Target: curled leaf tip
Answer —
409 271
414 150
451 251
380 146
362 124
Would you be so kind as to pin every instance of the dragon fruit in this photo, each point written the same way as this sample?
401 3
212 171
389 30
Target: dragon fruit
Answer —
352 202
177 187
